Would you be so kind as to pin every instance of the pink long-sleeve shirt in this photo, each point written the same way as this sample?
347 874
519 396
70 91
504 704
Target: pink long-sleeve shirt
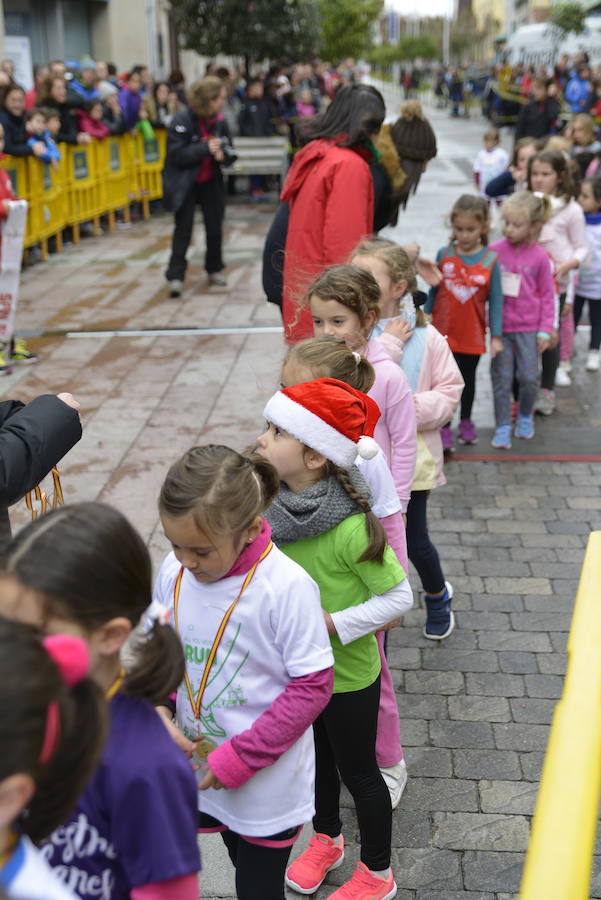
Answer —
396 429
534 307
564 235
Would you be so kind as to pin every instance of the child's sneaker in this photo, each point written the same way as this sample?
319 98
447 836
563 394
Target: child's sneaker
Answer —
545 402
467 432
364 885
395 778
525 427
307 872
19 352
562 376
502 438
593 361
440 620
446 436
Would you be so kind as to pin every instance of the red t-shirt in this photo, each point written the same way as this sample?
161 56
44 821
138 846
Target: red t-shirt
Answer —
459 310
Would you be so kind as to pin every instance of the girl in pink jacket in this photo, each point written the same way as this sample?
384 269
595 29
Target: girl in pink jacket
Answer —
436 385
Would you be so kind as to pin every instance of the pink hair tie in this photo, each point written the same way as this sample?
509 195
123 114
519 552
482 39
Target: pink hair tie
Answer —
72 659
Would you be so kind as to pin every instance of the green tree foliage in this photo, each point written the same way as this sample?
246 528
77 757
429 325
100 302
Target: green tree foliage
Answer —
345 26
276 29
568 18
408 49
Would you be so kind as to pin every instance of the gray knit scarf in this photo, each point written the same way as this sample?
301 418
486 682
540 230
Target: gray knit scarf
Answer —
315 510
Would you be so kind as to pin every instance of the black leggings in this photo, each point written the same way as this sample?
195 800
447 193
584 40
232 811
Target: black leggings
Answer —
468 363
550 358
259 870
345 742
594 314
422 552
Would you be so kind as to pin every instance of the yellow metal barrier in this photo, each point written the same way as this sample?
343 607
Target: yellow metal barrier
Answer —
91 180
559 859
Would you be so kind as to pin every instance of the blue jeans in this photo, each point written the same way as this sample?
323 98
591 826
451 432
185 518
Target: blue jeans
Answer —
520 353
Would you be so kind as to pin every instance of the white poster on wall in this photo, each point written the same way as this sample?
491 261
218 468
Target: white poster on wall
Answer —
18 49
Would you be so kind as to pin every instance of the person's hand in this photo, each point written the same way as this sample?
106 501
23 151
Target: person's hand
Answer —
54 164
70 400
210 780
554 340
84 138
390 625
399 329
429 271
566 311
39 148
174 732
564 267
214 145
543 343
412 251
496 346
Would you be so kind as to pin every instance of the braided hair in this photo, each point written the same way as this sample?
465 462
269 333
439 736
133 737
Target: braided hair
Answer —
375 530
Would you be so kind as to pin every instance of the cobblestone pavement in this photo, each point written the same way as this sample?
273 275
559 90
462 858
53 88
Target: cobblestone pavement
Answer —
475 710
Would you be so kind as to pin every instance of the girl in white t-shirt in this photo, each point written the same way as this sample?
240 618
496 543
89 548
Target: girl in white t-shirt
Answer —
329 357
52 728
258 660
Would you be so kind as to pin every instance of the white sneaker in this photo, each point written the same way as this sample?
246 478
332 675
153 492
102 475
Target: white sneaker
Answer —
593 361
175 288
396 779
562 379
566 364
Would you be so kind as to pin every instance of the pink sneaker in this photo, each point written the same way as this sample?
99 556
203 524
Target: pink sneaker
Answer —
365 886
467 432
446 436
307 872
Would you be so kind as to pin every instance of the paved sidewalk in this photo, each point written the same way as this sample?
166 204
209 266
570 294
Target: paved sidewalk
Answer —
475 710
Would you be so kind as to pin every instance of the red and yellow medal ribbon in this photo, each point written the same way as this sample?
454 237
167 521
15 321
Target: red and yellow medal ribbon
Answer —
196 702
115 686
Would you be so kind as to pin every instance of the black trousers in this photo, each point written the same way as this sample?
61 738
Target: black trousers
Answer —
550 359
260 870
345 743
594 314
422 552
467 363
211 198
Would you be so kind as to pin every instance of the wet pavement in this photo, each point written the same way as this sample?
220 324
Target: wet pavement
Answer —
475 710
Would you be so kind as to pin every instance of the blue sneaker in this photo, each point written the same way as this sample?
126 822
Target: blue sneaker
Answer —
502 438
525 427
440 620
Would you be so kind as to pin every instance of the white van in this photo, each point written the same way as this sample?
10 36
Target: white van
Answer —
536 45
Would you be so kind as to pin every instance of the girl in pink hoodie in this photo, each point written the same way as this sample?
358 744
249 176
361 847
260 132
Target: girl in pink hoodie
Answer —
436 384
528 312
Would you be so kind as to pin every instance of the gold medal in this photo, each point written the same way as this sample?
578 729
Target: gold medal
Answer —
203 747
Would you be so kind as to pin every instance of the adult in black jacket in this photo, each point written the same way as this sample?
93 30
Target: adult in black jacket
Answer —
33 439
538 117
192 174
12 118
53 95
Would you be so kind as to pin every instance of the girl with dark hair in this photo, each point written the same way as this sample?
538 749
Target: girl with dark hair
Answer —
564 238
330 192
249 715
12 118
323 520
52 729
85 568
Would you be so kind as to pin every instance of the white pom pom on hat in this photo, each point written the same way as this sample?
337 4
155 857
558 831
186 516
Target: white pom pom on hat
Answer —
329 416
367 447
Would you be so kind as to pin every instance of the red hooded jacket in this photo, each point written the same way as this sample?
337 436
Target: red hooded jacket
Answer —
330 193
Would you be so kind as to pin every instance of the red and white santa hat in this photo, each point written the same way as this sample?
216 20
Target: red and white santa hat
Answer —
329 416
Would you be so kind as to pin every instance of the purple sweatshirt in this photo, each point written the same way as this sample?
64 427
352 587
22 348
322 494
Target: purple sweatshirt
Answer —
534 307
396 431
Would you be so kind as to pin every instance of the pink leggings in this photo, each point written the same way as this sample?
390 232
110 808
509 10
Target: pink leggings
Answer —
389 750
566 336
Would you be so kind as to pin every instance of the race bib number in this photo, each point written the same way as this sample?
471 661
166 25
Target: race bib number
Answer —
510 283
